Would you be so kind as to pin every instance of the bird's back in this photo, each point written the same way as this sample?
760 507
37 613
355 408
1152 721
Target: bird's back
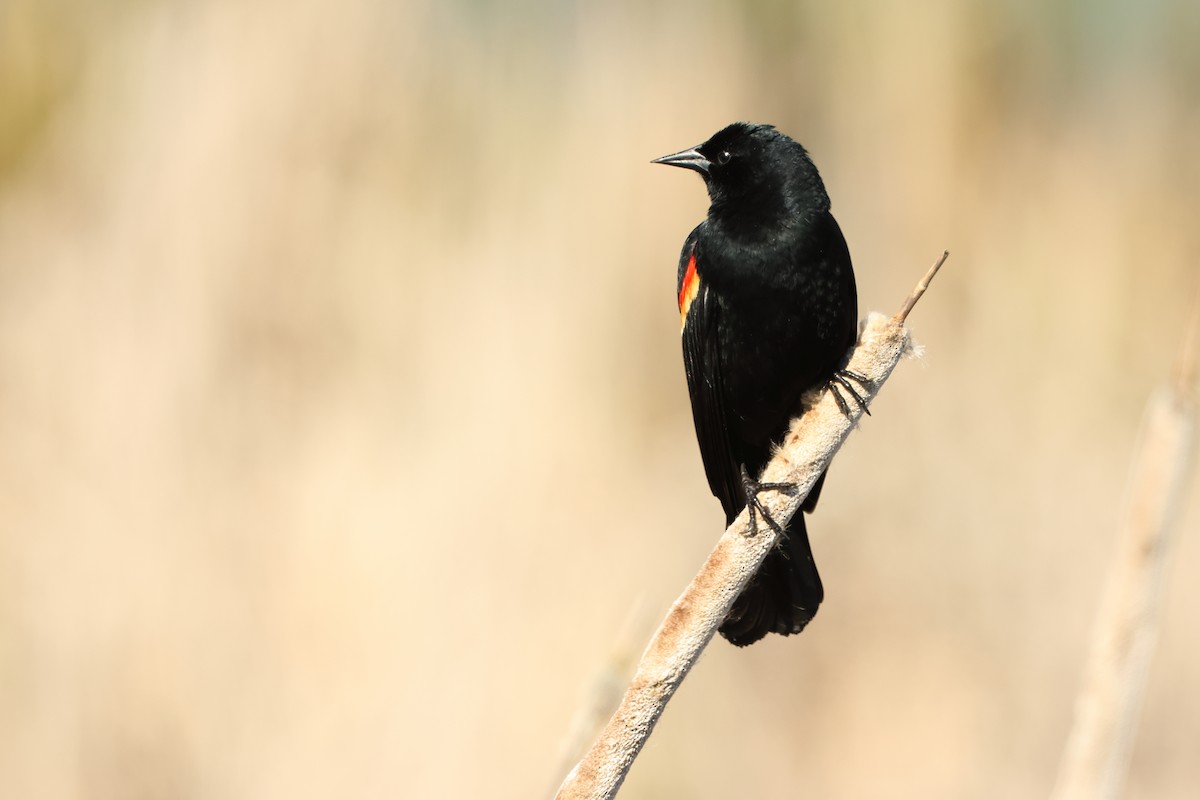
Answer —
787 316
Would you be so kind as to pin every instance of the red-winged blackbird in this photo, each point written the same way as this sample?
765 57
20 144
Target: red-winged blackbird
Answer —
769 310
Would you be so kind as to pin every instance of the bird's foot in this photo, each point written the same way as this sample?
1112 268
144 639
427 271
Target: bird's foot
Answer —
841 381
752 489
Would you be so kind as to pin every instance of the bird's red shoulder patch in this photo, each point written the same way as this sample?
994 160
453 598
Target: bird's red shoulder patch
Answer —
688 289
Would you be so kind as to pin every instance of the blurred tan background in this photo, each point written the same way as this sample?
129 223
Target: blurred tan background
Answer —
343 428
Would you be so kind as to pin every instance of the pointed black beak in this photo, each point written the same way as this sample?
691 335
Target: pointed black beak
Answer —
688 159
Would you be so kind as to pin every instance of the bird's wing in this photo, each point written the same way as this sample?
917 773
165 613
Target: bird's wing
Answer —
700 318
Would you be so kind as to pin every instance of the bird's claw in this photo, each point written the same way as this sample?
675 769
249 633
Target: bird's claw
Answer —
754 506
841 381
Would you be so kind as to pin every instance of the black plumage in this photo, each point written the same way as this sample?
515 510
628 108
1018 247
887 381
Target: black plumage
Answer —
769 310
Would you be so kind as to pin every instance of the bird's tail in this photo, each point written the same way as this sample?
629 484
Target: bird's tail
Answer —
783 596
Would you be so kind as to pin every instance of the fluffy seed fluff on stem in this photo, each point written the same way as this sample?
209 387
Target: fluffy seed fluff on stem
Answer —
695 616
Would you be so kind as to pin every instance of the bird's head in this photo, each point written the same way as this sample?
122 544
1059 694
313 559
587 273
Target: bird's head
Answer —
755 172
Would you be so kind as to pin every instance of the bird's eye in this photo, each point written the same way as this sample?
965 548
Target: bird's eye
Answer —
723 157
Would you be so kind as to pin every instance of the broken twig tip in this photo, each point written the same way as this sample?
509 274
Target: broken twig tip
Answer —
920 288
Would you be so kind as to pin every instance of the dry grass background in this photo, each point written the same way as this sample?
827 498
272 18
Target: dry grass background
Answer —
342 420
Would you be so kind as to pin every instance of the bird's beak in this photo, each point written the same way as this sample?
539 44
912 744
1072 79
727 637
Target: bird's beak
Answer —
688 159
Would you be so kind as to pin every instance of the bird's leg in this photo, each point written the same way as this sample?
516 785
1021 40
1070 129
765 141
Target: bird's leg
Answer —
752 489
841 381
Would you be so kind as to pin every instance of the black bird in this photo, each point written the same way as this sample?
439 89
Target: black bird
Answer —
769 310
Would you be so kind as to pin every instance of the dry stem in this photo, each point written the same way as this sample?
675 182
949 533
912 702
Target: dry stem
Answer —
694 618
1096 757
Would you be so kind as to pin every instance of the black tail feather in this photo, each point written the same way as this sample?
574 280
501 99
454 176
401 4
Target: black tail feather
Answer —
783 597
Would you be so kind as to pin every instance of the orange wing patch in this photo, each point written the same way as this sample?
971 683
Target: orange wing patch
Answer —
688 290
